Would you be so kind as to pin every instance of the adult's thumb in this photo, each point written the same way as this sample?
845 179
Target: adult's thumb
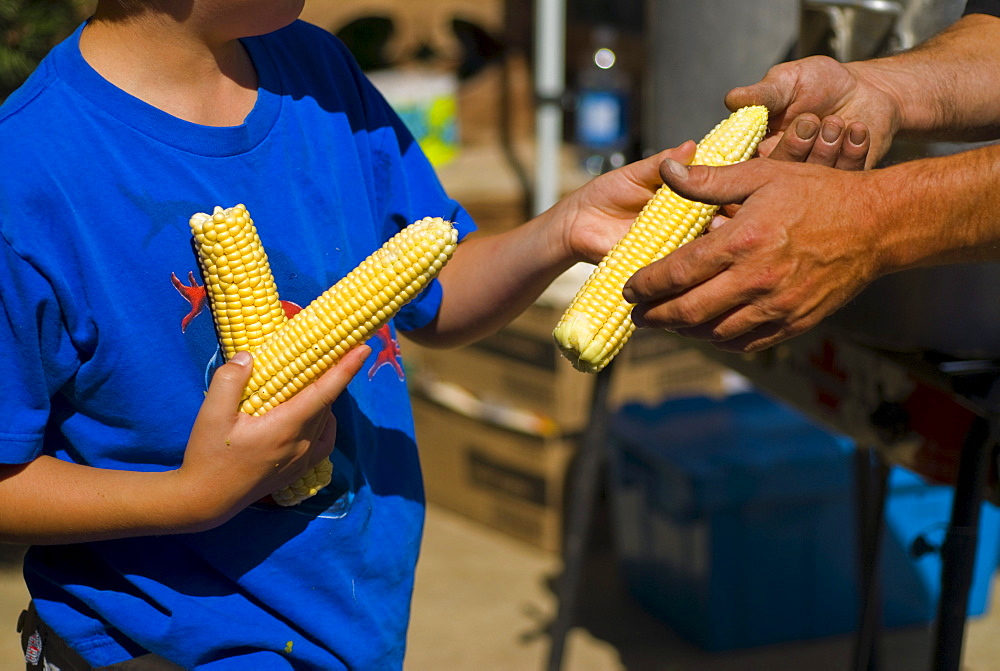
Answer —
762 93
707 184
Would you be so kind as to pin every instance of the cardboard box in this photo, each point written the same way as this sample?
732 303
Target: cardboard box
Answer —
520 367
510 481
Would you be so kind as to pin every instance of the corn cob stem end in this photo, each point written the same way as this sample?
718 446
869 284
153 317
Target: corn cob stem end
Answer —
575 337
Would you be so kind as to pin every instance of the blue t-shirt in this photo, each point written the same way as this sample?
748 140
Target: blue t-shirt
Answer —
106 348
982 7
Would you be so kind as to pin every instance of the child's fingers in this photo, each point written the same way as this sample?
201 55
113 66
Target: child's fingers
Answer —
646 171
323 446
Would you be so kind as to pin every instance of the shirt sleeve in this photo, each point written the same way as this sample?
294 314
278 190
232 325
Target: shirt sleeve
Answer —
36 352
982 7
410 190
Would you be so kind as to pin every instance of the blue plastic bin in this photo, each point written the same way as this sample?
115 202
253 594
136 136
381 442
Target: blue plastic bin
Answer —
735 523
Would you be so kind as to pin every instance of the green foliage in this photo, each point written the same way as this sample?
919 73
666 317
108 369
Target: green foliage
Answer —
28 29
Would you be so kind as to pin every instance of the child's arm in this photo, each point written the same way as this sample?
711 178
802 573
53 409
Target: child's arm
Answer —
232 459
491 280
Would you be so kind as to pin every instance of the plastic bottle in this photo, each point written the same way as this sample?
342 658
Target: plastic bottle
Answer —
603 96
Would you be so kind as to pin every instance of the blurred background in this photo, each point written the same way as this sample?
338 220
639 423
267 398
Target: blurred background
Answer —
725 525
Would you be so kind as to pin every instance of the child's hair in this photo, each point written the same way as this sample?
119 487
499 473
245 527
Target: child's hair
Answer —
127 7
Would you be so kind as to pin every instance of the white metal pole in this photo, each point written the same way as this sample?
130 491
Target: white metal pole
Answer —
550 86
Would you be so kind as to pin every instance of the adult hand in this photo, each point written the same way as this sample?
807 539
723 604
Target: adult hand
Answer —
599 214
233 459
803 242
818 142
828 141
842 93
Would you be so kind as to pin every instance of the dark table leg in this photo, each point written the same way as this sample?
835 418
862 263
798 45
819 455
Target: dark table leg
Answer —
583 485
958 554
871 483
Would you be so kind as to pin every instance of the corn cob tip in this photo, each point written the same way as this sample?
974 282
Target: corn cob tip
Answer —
733 139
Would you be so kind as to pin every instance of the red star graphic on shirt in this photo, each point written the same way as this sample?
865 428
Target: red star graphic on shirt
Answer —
193 293
389 354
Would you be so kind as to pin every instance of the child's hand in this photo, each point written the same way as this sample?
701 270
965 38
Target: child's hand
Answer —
234 459
598 214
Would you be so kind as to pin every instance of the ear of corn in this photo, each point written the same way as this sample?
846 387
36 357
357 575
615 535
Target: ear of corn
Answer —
347 313
242 296
296 351
598 322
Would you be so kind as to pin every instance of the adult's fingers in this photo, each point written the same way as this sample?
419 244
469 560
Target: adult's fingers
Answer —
738 320
826 149
755 340
714 185
774 92
722 319
797 142
694 263
719 307
827 142
810 139
817 84
854 150
702 258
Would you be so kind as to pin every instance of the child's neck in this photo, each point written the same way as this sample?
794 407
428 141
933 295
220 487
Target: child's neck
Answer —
174 69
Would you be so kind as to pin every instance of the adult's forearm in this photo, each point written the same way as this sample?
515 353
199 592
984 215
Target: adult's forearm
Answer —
949 86
49 501
937 211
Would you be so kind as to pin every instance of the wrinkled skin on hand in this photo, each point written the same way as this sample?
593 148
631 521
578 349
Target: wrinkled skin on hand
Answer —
819 85
773 271
774 264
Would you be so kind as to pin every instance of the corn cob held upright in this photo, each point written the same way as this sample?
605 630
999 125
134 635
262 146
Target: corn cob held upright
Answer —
243 299
240 289
598 322
298 350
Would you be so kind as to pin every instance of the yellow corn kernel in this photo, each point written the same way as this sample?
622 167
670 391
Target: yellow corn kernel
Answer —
598 322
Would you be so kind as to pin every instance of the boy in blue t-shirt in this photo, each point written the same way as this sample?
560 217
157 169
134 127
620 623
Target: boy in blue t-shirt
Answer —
137 489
